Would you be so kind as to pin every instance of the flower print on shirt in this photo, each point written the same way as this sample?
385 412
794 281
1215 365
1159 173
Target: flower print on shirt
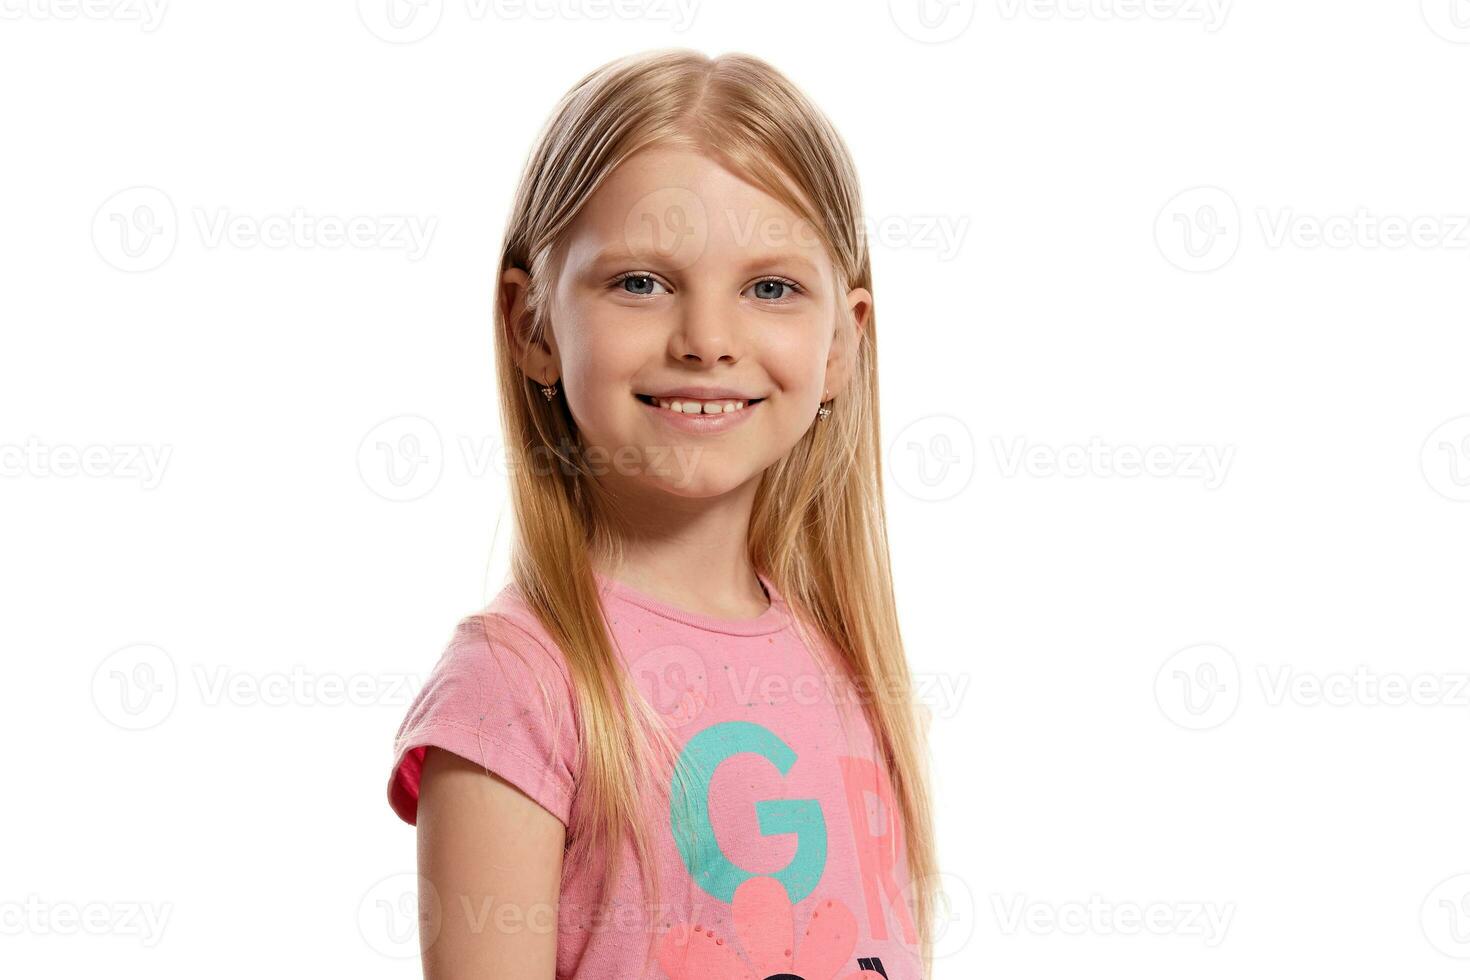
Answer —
766 924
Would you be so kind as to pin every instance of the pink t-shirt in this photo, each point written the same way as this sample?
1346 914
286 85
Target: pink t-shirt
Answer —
785 856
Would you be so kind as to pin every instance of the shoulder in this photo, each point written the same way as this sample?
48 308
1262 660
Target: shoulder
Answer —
499 662
505 627
500 697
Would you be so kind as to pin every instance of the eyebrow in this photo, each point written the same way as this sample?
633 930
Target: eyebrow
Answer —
781 258
624 256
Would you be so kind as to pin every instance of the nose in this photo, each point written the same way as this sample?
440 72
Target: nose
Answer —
706 332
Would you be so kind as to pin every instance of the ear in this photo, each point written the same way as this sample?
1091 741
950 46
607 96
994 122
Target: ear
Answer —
537 360
852 325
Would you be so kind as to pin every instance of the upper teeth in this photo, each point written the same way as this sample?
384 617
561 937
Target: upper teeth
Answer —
696 408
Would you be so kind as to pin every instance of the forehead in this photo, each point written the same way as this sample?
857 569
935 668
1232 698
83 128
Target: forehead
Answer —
685 209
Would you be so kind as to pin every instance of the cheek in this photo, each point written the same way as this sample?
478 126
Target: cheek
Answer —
601 354
795 354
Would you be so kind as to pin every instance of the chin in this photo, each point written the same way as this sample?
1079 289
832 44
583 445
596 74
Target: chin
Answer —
701 484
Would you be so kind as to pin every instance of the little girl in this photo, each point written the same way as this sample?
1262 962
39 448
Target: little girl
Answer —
681 742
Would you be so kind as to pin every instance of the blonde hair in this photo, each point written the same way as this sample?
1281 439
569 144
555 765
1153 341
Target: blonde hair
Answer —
818 530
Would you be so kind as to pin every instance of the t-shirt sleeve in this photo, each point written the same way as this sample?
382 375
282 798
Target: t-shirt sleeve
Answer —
500 698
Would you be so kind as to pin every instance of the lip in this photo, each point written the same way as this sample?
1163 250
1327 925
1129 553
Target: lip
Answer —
702 393
701 423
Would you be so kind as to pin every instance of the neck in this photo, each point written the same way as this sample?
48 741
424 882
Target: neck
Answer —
691 553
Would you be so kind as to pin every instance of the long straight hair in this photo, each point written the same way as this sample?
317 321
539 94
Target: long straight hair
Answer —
818 530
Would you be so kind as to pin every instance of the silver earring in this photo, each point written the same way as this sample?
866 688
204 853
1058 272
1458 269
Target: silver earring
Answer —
549 390
822 412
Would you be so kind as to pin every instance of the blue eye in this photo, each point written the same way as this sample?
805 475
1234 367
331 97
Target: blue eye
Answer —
778 284
772 289
639 284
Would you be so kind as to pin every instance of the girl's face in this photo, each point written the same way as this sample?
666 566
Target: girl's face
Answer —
680 279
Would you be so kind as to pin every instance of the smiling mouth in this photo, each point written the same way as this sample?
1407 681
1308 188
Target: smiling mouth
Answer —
690 406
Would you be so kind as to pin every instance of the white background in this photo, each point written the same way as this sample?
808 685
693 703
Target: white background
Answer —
1180 232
